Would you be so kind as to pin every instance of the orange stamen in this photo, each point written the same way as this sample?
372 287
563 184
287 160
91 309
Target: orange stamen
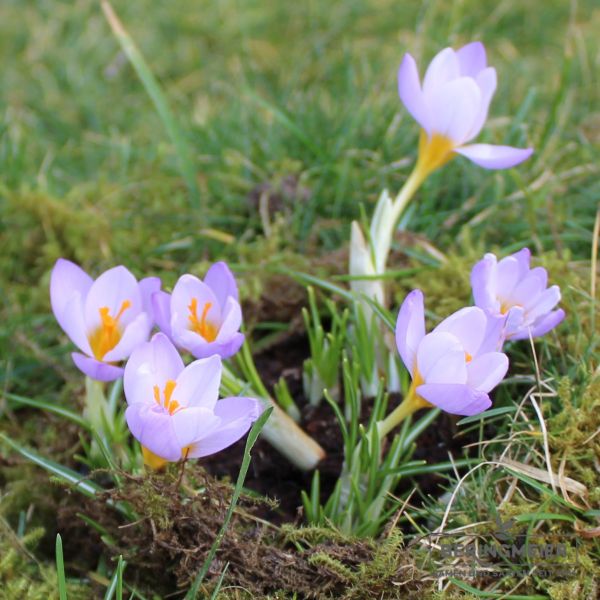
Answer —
109 333
201 325
170 404
468 357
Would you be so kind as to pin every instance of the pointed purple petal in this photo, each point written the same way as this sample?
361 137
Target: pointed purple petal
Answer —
192 424
471 59
487 81
111 290
237 415
455 399
485 372
410 328
468 325
441 359
483 283
232 320
95 369
148 287
442 69
409 90
221 281
489 156
153 428
136 333
161 308
198 384
152 363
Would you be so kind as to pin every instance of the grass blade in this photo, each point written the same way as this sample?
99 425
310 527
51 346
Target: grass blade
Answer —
252 437
60 569
159 99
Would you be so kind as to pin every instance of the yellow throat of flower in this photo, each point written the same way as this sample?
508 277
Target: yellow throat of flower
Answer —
170 404
202 325
109 333
434 152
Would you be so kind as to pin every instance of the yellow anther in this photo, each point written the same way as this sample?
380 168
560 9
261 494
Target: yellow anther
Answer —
201 325
109 333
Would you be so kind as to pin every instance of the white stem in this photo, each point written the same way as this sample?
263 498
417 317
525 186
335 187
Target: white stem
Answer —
288 438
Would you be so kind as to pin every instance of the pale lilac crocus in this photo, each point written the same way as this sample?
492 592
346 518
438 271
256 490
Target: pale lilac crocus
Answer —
106 318
202 317
456 365
174 411
451 106
510 288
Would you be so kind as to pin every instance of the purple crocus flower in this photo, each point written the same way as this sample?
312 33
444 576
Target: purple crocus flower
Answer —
456 365
452 105
202 317
174 411
511 289
106 318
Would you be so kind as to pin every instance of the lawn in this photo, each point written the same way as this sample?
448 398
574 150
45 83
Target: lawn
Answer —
255 133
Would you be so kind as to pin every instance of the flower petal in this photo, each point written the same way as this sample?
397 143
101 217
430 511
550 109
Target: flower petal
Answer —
148 287
483 283
409 90
110 290
198 384
199 348
443 68
508 273
471 59
487 81
232 320
495 334
546 301
410 328
151 364
455 399
468 325
73 323
95 369
490 156
221 281
543 325
153 428
441 359
161 309
135 333
192 424
454 108
237 415
485 372
66 279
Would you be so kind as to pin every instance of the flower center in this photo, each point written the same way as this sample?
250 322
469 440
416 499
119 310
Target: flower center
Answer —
506 305
109 333
171 405
434 152
468 357
201 325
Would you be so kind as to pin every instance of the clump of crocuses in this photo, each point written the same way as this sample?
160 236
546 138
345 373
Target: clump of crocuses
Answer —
456 366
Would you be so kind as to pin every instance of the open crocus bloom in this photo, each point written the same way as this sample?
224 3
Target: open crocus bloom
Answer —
456 365
452 105
510 288
106 318
174 411
202 317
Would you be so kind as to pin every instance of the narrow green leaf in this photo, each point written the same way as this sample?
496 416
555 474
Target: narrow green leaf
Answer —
60 569
159 99
252 437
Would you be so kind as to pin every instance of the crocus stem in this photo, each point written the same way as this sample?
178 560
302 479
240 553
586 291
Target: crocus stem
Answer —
411 403
411 185
281 431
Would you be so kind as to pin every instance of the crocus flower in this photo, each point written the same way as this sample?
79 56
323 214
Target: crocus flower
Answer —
456 365
202 317
174 411
510 288
451 106
106 318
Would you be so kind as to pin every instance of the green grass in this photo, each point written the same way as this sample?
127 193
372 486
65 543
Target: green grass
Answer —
263 92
